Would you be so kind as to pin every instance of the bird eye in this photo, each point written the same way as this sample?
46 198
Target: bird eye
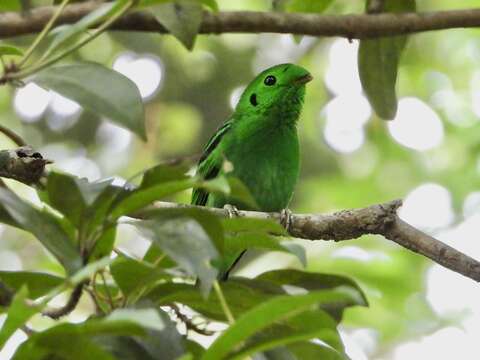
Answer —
253 99
270 80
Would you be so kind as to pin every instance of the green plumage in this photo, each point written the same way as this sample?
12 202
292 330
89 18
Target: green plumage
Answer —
259 141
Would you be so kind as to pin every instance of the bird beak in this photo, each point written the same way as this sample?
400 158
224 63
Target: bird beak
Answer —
303 79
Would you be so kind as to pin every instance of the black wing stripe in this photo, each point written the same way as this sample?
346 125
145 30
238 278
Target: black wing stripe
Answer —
214 141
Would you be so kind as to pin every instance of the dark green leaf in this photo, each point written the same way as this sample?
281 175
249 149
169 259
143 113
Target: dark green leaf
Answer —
140 198
209 222
64 195
305 326
165 344
311 281
211 4
241 295
132 275
38 284
241 224
308 350
10 5
45 227
257 240
98 89
162 173
18 314
306 6
184 240
315 281
182 18
61 339
276 310
104 243
10 50
378 61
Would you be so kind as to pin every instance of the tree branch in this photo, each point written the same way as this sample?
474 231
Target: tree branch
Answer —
381 219
349 26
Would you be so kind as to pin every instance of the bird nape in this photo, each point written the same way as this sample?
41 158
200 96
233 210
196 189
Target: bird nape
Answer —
259 141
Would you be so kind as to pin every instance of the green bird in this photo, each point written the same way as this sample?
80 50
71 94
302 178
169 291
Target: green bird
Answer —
259 142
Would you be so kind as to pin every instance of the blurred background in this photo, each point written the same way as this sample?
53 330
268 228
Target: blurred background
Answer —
428 155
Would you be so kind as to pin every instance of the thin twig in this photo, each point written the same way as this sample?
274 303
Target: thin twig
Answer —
189 325
348 26
71 304
223 303
17 139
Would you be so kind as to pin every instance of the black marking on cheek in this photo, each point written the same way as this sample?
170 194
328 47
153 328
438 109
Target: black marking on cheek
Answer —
37 155
21 154
253 99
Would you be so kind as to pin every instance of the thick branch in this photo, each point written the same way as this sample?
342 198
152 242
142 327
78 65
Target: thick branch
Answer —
379 219
349 26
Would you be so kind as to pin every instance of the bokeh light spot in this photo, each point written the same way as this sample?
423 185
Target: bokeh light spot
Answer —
416 125
429 207
146 72
30 102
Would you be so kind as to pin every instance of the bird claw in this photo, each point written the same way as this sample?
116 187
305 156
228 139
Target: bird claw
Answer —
286 219
232 211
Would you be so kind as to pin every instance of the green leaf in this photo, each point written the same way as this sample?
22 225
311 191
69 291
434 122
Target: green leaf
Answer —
64 195
10 50
309 350
305 6
378 61
209 222
72 195
45 227
133 276
104 243
98 89
61 339
240 294
276 310
140 198
211 4
69 32
239 192
184 240
315 281
10 5
305 326
182 18
162 173
257 240
241 224
38 284
88 270
18 314
164 344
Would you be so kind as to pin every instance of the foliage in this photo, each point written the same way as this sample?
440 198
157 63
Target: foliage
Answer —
150 306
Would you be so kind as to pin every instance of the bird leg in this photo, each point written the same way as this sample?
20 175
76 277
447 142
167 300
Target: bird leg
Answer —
286 219
232 211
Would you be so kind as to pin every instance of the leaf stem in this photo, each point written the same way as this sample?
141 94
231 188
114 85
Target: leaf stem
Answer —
43 33
223 302
35 68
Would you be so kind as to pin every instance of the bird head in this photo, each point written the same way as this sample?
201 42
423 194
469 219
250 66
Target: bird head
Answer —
276 87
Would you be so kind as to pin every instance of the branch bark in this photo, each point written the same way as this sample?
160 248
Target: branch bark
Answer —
349 26
381 219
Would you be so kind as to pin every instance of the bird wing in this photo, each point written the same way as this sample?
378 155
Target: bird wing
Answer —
209 164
